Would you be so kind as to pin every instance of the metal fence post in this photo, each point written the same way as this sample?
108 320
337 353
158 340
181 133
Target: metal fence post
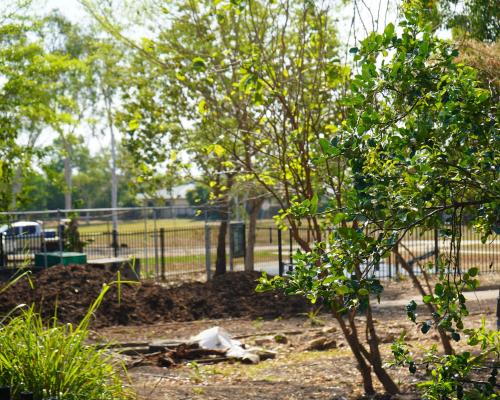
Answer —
396 261
230 241
280 253
145 240
114 242
60 232
231 248
498 311
162 252
208 249
389 266
155 241
44 248
3 259
436 250
4 392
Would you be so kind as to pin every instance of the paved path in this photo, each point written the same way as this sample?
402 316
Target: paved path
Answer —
481 296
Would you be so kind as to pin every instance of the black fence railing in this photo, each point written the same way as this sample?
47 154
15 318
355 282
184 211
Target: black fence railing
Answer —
417 250
162 252
167 252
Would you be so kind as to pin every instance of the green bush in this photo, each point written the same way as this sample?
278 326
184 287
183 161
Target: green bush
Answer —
55 360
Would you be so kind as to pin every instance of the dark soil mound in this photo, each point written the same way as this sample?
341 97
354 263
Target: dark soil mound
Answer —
69 292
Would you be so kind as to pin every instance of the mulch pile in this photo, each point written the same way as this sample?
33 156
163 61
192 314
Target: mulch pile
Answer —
68 291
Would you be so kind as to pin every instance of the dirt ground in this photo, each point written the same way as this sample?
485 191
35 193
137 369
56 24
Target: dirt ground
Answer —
295 373
71 290
146 313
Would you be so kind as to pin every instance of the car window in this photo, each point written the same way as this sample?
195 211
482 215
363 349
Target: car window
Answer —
13 231
29 230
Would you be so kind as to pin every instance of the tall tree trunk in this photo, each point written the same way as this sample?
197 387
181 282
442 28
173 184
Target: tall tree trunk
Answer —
220 261
225 211
68 178
114 178
253 207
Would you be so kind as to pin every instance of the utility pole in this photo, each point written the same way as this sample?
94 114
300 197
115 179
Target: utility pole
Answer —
498 311
114 179
68 174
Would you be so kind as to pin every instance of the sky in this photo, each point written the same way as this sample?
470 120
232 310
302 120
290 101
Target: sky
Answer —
70 8
366 9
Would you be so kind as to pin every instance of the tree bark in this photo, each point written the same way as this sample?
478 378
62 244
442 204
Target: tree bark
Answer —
355 346
375 357
253 207
220 261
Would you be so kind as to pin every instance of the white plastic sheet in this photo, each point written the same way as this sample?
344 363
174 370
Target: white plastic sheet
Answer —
218 338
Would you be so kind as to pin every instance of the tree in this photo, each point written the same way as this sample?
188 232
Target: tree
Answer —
294 77
476 19
197 196
29 75
262 88
420 143
37 192
75 94
109 68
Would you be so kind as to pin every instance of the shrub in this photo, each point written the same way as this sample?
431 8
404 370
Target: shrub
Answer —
55 360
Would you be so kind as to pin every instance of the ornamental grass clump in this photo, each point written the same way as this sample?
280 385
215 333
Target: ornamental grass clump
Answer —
54 361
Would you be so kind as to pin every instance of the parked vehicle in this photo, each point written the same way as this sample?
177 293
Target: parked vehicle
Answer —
25 236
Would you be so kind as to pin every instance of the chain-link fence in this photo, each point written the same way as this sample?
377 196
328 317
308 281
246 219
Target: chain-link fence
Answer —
173 241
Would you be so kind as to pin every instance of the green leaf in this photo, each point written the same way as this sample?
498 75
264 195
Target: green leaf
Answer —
198 63
395 69
427 299
314 204
133 125
411 306
439 289
217 149
389 31
412 367
473 271
339 217
329 279
202 107
342 290
325 145
426 326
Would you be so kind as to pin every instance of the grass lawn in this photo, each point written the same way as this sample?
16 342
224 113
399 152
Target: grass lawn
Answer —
138 225
195 263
